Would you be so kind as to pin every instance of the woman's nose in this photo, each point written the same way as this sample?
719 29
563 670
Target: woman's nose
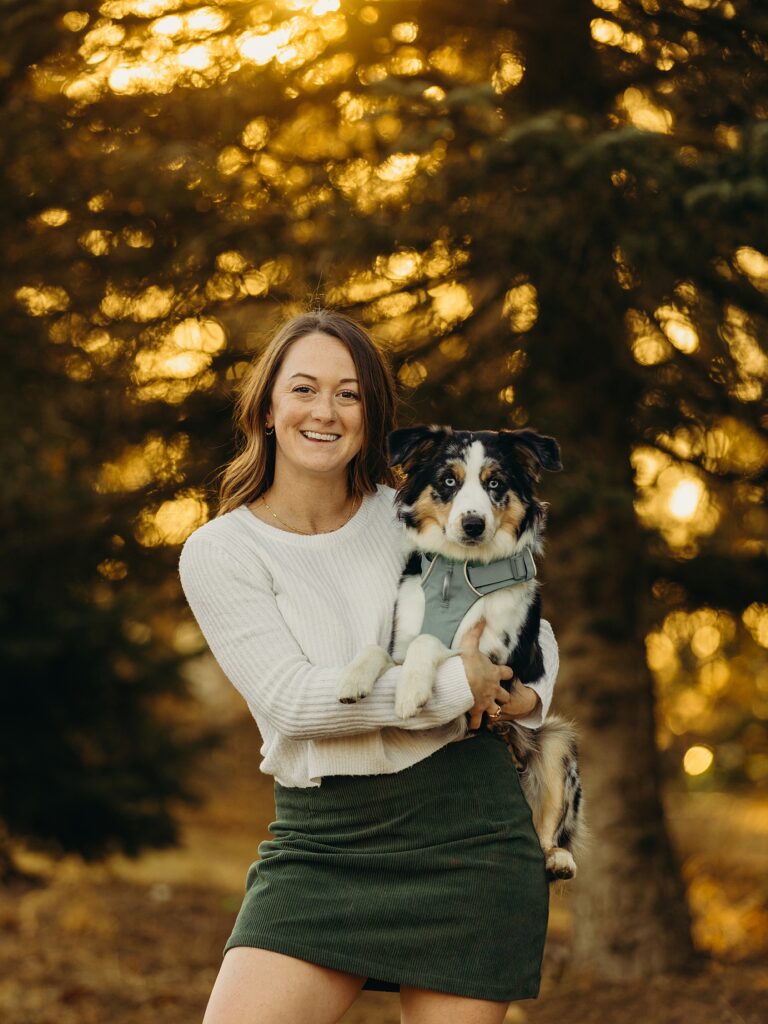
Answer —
322 408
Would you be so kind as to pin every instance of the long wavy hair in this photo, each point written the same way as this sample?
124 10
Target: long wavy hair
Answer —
251 471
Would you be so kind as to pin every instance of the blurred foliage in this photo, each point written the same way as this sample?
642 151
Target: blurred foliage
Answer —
553 216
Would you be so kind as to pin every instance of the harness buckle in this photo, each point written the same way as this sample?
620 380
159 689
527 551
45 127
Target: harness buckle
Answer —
521 564
445 592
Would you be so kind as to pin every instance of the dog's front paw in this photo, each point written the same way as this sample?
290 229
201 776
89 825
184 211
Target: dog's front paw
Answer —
359 677
560 863
413 691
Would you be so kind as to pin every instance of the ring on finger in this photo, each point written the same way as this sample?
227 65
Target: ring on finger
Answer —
496 713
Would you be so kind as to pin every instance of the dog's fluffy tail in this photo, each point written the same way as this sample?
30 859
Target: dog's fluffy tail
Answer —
547 759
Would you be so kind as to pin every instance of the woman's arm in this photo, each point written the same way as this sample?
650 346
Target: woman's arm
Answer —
238 615
545 686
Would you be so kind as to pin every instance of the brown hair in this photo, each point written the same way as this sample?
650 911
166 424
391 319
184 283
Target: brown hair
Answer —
251 471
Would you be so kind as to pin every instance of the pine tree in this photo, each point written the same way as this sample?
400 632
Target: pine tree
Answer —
95 755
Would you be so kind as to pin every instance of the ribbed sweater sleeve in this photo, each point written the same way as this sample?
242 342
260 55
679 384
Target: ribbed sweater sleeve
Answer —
236 610
546 685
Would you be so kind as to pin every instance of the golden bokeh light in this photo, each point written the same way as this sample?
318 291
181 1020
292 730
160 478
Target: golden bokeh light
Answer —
368 15
454 347
75 21
754 265
155 460
199 335
678 328
740 334
412 374
112 569
649 345
173 521
636 107
402 266
196 48
521 307
610 33
139 8
260 48
391 306
451 303
755 618
43 300
168 362
152 303
509 72
96 242
661 654
674 499
706 641
603 30
54 217
684 500
255 134
714 675
698 759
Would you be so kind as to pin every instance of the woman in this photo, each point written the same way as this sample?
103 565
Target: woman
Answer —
401 858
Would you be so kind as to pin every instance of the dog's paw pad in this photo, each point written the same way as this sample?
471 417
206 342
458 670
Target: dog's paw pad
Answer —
407 708
352 690
560 864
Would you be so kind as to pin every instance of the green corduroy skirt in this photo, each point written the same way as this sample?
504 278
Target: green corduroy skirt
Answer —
432 876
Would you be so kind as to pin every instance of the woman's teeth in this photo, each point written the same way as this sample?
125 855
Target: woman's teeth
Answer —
320 437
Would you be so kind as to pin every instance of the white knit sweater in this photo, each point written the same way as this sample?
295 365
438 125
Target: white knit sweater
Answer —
282 613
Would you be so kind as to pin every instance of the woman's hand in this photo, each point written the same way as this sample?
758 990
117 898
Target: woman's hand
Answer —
483 677
522 701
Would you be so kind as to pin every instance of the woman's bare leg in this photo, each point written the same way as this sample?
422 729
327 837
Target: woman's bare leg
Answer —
423 1006
257 986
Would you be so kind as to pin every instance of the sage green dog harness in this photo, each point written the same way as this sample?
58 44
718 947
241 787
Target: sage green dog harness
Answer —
451 588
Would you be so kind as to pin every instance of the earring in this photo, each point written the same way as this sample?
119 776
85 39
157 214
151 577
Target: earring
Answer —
269 431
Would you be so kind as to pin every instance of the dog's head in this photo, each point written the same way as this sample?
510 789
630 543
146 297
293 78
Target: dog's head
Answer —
471 494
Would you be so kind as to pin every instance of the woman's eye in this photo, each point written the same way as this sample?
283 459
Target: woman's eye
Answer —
350 394
303 388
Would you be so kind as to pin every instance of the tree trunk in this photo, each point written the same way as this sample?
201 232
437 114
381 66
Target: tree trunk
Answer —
582 385
630 912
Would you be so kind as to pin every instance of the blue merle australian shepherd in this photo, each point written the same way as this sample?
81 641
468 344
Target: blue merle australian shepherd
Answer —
473 526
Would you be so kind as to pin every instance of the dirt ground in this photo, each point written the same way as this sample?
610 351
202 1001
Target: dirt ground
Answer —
133 942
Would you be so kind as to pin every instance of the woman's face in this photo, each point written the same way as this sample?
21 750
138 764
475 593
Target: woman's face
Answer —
315 409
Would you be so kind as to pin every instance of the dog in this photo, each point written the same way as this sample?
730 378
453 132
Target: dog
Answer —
473 525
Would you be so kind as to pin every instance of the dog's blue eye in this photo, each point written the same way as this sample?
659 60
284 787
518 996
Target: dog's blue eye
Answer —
493 483
449 481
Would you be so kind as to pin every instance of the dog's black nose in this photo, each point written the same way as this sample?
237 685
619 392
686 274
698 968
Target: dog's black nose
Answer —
473 526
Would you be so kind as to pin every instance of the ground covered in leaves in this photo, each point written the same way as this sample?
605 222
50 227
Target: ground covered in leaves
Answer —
136 942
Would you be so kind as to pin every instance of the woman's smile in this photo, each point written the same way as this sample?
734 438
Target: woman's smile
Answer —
312 435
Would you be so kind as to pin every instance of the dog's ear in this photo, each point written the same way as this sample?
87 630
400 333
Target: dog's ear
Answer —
406 445
541 451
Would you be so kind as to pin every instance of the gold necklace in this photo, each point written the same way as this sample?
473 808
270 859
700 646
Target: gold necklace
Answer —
304 532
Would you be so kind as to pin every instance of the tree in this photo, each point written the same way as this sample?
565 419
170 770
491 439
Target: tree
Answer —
94 752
